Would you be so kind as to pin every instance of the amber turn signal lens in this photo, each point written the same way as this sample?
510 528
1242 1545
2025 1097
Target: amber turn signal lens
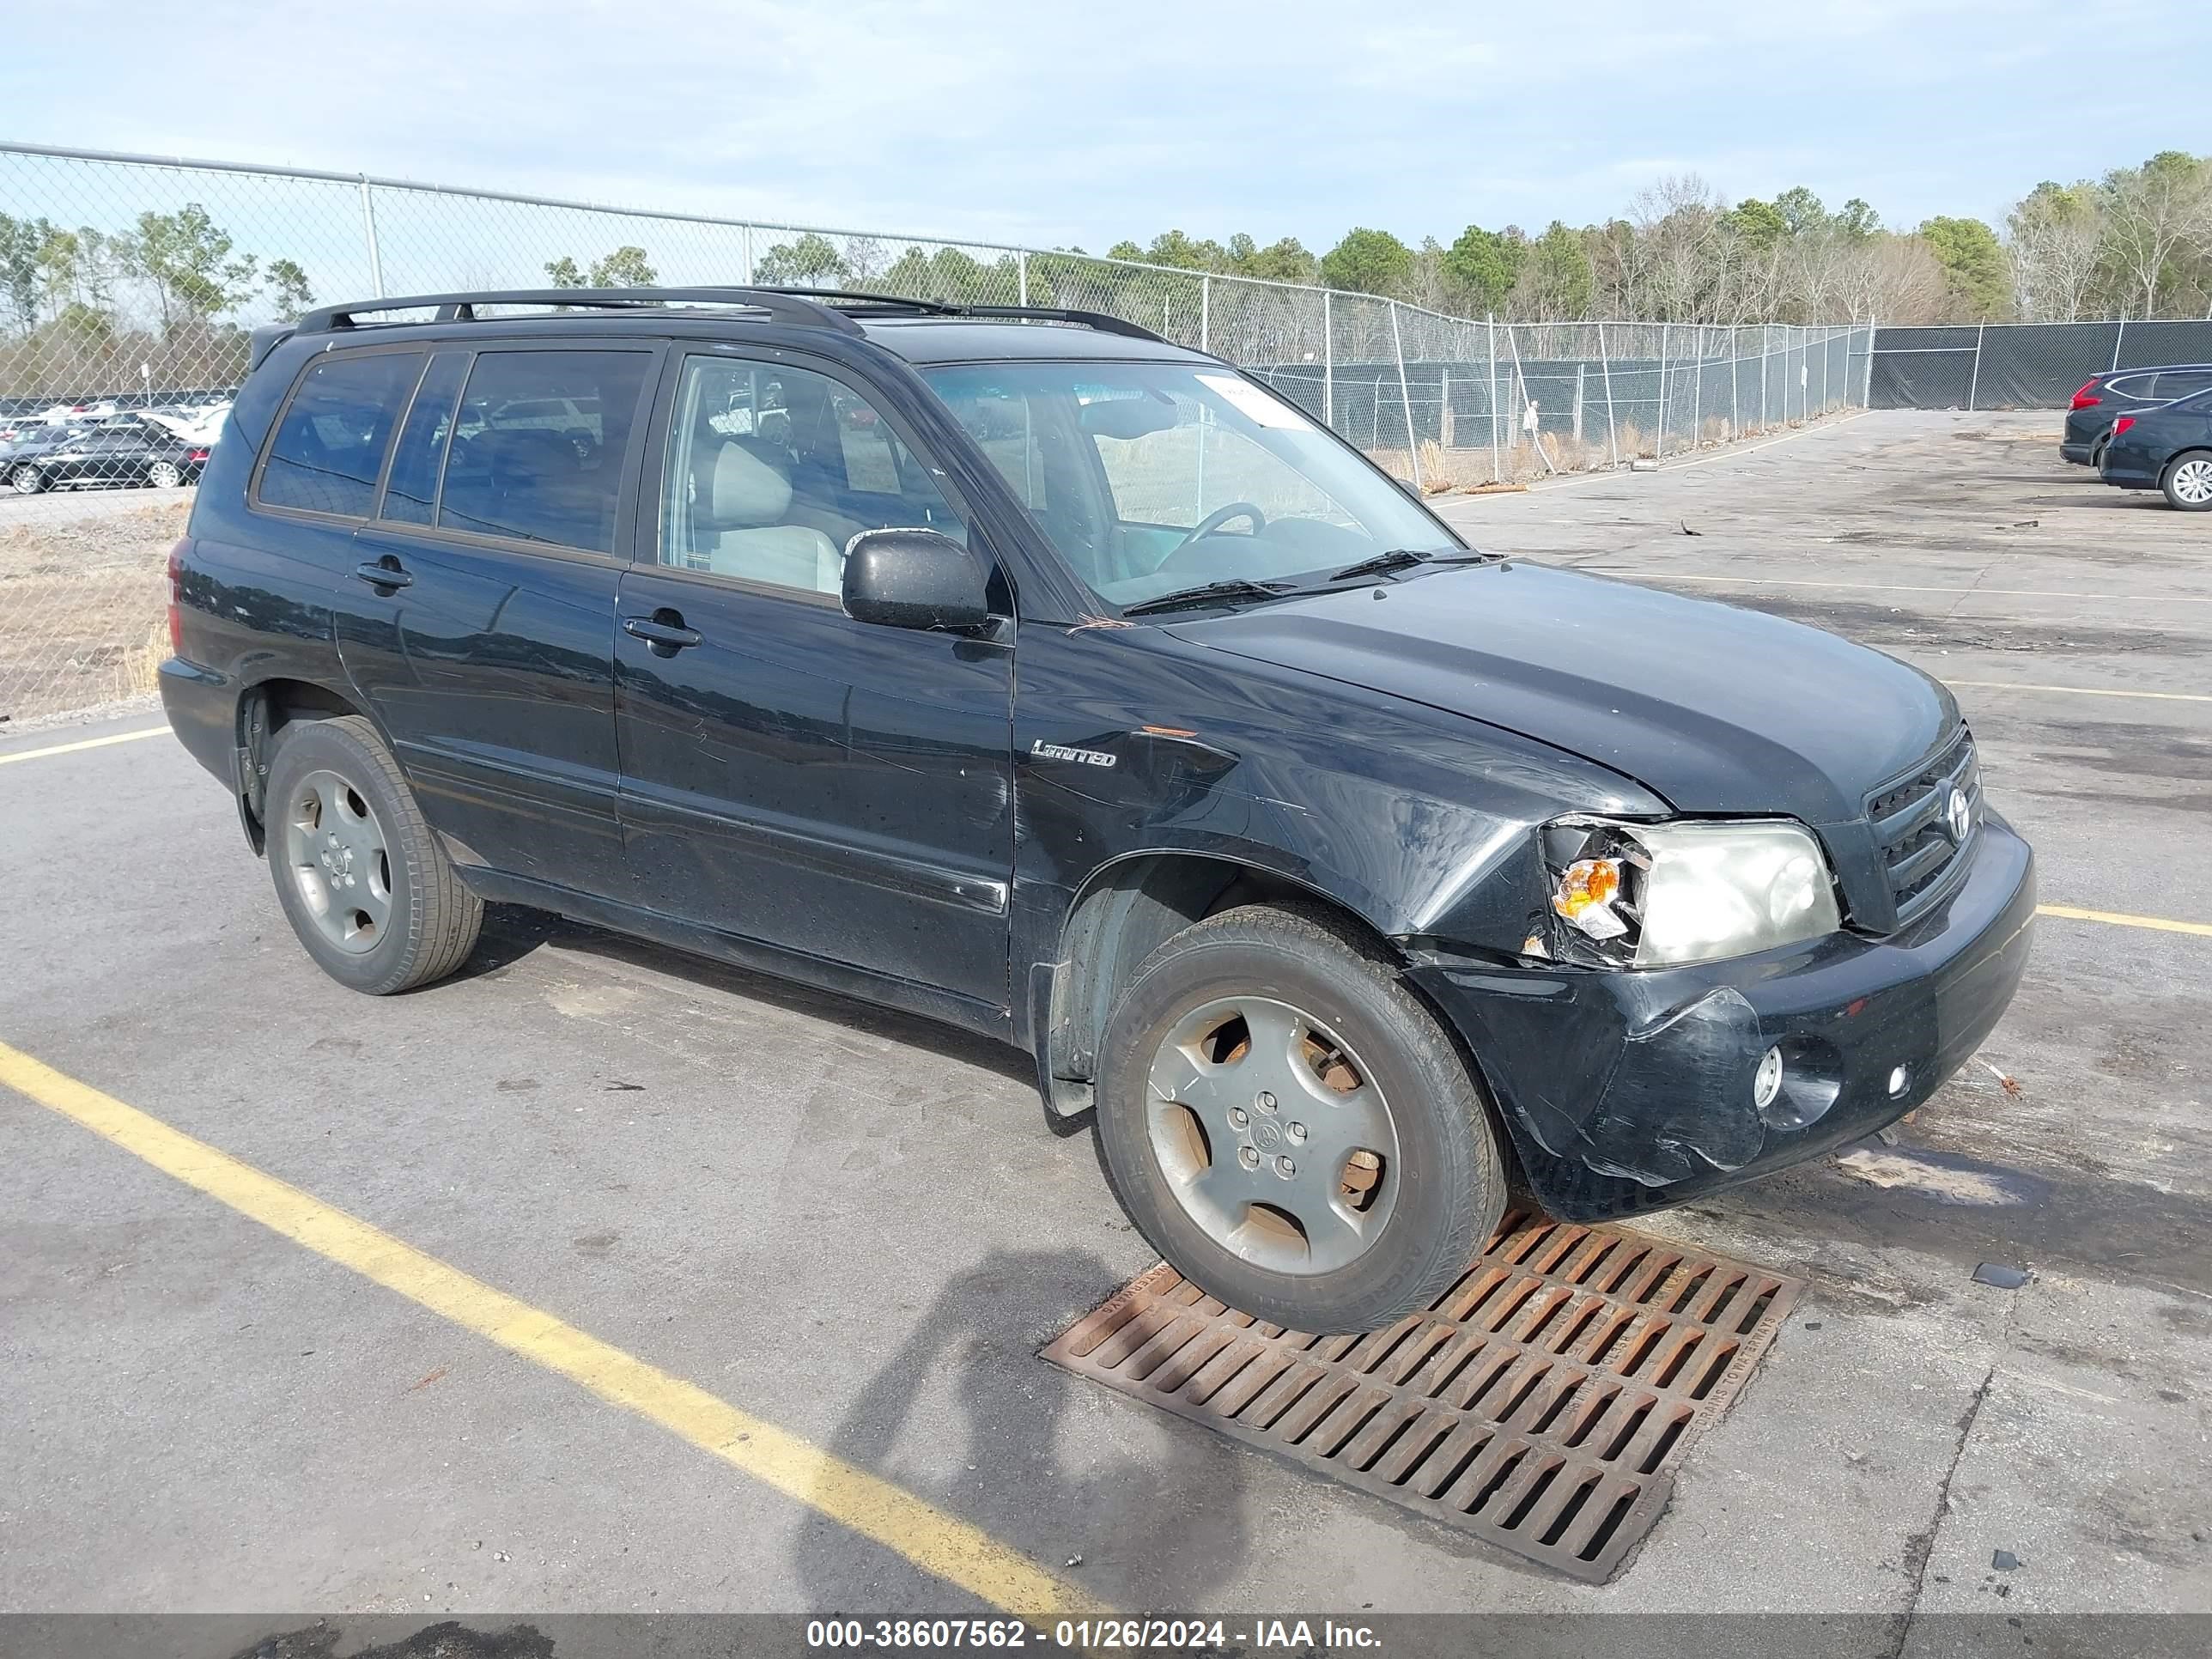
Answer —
1587 884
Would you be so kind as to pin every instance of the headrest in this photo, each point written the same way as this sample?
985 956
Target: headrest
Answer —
747 488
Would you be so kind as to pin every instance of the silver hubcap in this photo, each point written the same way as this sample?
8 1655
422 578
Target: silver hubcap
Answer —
27 481
337 853
2192 482
164 476
1273 1134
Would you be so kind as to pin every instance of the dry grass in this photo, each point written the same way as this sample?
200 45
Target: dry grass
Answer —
82 608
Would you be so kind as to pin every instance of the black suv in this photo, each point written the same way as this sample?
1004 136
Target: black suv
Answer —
1036 675
2105 398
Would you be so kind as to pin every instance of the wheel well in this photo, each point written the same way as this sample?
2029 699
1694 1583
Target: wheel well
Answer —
263 710
1126 912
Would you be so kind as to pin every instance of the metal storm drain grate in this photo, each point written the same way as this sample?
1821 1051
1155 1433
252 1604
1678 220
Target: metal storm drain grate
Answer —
1543 1403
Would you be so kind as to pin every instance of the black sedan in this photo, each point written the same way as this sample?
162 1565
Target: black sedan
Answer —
2167 448
2105 398
125 450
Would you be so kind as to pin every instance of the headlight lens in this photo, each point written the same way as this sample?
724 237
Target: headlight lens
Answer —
1661 895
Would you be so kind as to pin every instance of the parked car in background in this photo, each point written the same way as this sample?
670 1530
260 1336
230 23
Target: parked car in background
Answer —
127 450
2105 398
2167 448
29 443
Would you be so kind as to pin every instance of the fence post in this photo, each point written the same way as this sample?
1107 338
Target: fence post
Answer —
368 232
1827 342
1021 274
1327 361
1581 370
1605 368
2118 334
1697 393
1765 348
1659 448
1873 332
1735 390
1497 471
1974 386
1447 428
745 252
1405 398
1205 305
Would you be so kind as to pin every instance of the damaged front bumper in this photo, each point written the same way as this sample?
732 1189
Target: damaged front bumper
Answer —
1627 1090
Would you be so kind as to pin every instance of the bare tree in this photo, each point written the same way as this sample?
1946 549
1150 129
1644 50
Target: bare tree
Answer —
2159 214
2055 239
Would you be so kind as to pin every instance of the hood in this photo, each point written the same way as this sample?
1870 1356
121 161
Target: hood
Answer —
1715 708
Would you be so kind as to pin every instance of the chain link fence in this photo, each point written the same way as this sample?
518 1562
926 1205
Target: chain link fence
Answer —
129 286
1977 366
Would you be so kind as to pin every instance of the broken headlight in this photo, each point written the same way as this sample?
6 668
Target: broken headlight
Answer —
1662 895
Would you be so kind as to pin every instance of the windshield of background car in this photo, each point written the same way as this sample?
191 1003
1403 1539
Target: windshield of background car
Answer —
1154 477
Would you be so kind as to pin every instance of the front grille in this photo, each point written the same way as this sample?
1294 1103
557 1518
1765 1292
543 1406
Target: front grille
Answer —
1919 845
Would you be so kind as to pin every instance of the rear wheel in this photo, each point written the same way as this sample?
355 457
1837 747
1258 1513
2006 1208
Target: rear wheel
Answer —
165 475
361 875
27 480
1290 1127
2188 481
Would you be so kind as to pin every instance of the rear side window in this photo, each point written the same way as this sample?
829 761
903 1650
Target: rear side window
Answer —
330 442
538 447
412 490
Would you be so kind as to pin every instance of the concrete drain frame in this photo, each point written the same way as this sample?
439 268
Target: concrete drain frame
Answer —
1543 1403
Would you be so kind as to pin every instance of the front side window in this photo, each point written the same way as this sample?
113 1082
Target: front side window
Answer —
329 445
1150 478
773 469
538 445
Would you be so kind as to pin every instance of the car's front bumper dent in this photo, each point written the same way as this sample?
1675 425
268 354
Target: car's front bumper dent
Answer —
1627 1092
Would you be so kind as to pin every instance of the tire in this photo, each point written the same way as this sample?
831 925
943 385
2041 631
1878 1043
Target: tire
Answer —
1178 1120
27 480
165 475
2187 481
359 874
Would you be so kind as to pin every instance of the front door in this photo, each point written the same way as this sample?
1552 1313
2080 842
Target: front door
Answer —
789 775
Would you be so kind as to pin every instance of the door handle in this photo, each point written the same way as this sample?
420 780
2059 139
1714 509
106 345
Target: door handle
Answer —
385 573
665 637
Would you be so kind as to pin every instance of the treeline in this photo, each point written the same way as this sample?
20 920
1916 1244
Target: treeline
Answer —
2136 243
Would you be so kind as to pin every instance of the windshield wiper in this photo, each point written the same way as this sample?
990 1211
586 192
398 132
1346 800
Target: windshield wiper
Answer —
1402 558
1191 598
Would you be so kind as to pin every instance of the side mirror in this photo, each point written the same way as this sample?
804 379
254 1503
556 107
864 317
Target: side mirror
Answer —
915 579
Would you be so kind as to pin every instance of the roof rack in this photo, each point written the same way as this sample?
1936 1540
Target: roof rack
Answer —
817 307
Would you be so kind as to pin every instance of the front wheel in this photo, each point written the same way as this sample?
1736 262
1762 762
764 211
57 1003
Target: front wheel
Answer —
2188 482
1289 1126
361 875
27 480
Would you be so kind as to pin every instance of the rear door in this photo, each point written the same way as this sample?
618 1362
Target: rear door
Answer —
482 618
839 790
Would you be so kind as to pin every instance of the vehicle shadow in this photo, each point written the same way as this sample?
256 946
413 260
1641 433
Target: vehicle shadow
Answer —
513 932
964 1414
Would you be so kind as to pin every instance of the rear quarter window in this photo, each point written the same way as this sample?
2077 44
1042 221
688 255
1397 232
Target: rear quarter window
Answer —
2133 386
330 441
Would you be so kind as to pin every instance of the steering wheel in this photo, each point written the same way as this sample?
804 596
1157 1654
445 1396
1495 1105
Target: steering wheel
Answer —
1213 521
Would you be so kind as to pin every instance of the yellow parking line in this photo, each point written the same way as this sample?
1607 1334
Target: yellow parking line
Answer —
874 1508
2160 924
2084 691
83 743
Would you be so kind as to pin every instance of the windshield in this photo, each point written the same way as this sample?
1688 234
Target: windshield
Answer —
1150 478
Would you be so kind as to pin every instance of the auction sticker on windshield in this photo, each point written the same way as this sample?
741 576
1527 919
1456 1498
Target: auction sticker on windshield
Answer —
1249 399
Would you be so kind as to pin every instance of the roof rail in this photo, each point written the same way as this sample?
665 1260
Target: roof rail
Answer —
819 307
781 305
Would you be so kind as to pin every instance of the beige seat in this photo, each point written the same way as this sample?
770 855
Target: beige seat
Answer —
744 532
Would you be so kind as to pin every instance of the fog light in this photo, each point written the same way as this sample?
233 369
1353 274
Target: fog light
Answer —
1766 1082
1898 1078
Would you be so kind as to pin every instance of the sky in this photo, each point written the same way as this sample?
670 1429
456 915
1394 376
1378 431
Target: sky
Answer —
1054 125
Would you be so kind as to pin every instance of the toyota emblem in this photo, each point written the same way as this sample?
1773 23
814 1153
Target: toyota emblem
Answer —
1959 815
